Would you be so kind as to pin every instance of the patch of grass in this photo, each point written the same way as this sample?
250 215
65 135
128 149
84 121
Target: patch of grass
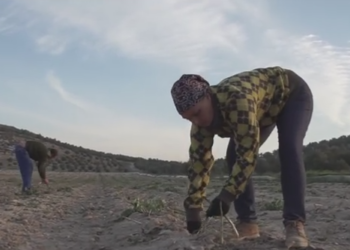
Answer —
148 206
274 205
143 206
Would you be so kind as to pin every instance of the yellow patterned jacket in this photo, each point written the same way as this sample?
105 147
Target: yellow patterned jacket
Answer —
244 103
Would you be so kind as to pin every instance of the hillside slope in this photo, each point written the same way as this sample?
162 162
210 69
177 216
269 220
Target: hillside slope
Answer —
75 158
324 156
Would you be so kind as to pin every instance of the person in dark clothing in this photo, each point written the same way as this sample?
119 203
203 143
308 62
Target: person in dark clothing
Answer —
246 107
25 152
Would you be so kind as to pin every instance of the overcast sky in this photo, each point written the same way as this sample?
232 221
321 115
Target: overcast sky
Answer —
98 73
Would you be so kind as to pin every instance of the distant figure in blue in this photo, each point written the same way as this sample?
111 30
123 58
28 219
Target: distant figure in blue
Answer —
25 152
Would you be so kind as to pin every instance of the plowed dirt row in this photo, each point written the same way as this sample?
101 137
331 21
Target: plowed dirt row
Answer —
88 211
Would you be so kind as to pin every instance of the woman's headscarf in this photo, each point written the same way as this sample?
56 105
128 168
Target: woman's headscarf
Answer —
188 91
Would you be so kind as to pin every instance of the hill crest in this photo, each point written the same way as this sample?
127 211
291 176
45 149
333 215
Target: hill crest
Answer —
327 155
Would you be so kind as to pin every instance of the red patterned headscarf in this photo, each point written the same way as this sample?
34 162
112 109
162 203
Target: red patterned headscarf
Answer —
188 91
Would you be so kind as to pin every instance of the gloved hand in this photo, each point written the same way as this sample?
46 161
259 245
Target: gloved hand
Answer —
193 226
193 220
214 208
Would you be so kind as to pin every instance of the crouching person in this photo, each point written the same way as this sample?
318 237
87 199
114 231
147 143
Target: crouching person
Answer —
246 107
25 152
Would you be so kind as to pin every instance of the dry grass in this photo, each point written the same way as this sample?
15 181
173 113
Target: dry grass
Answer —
90 211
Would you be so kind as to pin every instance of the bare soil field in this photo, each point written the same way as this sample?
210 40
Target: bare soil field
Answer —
91 211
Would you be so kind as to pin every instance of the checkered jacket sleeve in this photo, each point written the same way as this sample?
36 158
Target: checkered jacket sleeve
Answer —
201 162
242 117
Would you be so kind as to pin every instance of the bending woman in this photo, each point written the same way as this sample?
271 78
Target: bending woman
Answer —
245 108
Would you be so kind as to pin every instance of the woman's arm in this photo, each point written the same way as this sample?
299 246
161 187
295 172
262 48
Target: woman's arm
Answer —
244 122
201 162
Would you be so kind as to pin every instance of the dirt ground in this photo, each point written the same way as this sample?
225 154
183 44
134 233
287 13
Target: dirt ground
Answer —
88 211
